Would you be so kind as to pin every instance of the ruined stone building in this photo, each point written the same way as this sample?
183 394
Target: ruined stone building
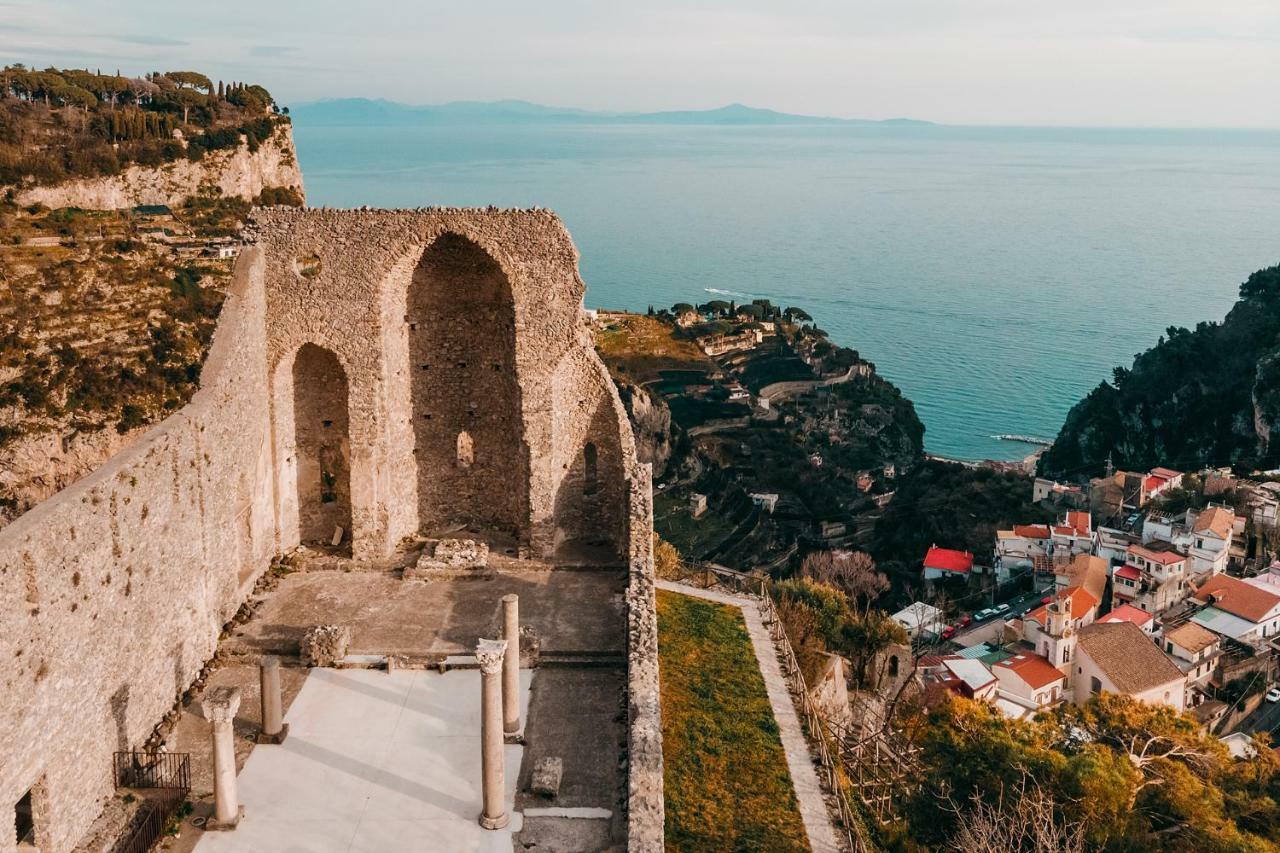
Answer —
389 373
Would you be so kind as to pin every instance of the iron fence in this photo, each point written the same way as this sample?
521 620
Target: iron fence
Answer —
165 777
170 770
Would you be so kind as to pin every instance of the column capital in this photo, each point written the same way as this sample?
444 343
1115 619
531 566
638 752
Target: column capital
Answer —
270 661
220 704
490 654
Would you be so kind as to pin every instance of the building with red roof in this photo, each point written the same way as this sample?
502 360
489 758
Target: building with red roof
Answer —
1129 613
1030 677
946 562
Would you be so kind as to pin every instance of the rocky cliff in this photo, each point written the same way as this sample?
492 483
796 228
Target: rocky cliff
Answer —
651 421
236 172
1203 396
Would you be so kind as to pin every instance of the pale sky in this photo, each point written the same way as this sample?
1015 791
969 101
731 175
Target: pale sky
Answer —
1182 63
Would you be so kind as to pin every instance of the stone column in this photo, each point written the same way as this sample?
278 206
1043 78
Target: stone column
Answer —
490 654
220 706
273 728
511 664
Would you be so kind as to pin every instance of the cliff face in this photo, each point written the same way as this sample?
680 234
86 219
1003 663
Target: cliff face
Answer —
36 467
1203 396
236 172
651 421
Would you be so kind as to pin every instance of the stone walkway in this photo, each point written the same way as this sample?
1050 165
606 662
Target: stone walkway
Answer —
804 778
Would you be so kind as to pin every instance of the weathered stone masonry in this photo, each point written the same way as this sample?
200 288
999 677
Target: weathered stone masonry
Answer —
387 372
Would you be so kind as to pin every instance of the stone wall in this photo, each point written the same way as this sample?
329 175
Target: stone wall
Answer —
114 591
449 322
235 172
645 808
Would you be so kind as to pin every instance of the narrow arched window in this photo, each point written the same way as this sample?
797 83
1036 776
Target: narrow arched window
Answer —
893 666
466 451
590 475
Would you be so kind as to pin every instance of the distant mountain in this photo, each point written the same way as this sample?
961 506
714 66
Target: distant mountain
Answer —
346 111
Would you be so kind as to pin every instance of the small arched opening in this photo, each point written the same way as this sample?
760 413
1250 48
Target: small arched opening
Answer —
465 452
322 441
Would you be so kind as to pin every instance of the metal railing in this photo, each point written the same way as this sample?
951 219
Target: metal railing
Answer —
170 770
166 776
820 733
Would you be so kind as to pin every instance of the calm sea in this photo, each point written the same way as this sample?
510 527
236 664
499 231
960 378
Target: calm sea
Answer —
995 275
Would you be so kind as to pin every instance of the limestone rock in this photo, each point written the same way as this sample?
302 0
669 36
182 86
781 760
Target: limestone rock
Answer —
448 558
325 645
545 780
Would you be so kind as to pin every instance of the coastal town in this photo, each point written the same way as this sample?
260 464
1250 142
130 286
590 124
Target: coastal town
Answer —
1160 585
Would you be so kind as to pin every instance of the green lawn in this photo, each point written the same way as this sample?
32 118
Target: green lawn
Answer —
726 782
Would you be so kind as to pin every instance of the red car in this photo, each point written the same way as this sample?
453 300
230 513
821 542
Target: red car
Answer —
948 632
1048 599
965 620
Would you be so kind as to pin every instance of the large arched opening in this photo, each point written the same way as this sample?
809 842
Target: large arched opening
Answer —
467 421
322 441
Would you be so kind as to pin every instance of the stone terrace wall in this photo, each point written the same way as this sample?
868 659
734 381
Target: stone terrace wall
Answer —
645 809
114 591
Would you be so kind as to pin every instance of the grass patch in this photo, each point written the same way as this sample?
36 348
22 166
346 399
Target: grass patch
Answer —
691 536
727 787
643 347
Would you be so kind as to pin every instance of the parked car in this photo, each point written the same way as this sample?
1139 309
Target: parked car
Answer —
948 632
965 620
983 614
1273 695
1048 599
1001 609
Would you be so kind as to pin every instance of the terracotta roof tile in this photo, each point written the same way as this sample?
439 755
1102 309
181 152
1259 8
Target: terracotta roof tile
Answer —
1128 613
1127 656
1215 520
1035 670
1237 597
1191 637
1167 558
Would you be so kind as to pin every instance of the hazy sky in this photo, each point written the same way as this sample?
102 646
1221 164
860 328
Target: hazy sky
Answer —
1082 62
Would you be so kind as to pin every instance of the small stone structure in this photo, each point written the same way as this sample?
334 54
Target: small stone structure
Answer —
545 779
392 373
450 558
325 645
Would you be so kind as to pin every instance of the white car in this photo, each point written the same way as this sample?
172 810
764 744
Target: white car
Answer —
1002 609
1273 695
983 614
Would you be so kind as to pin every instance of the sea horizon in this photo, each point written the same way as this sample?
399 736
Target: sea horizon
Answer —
995 274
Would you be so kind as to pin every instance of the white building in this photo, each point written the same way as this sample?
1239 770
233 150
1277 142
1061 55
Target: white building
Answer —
920 619
1118 658
1195 649
1237 609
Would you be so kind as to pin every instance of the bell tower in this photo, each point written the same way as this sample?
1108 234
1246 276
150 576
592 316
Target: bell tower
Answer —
1061 639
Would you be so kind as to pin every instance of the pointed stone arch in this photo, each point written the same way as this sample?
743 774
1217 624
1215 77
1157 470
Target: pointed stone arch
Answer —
322 442
465 392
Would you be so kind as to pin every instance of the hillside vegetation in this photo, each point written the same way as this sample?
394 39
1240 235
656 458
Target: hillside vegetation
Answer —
1203 396
60 124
